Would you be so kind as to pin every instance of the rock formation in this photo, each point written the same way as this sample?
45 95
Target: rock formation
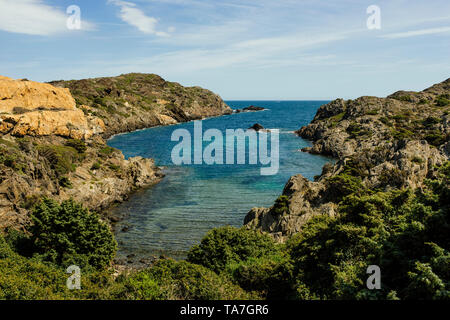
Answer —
52 145
249 109
39 109
257 127
379 143
135 101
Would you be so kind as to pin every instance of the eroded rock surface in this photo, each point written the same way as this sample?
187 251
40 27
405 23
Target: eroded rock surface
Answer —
52 145
379 144
40 109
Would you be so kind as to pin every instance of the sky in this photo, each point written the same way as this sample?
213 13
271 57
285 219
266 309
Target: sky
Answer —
240 49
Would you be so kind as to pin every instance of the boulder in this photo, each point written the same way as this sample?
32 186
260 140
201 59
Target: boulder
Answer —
257 127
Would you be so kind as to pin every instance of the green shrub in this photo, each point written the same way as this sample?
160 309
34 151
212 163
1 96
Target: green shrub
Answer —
343 185
405 98
172 280
443 100
62 159
96 166
106 151
404 233
78 145
271 275
114 167
67 231
418 160
435 138
356 130
430 122
225 245
281 205
402 133
386 121
65 183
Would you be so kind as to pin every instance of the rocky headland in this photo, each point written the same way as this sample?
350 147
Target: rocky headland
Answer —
52 138
378 143
136 101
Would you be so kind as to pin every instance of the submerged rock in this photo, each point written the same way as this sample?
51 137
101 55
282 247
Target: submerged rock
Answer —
257 127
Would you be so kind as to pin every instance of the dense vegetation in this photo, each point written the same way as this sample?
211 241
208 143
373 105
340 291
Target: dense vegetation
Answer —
403 231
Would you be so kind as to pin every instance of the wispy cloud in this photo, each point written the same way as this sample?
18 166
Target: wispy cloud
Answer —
34 17
415 33
292 50
134 16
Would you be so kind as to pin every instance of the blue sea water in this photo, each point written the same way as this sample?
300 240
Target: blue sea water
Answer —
171 216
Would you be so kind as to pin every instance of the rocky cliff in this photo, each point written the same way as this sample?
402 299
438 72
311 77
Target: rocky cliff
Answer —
52 138
38 109
379 144
134 101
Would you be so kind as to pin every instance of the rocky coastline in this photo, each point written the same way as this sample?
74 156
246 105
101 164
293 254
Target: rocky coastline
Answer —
379 143
52 138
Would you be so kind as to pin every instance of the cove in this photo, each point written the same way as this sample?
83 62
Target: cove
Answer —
175 214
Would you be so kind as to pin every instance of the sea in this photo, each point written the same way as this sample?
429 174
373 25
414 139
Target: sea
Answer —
173 215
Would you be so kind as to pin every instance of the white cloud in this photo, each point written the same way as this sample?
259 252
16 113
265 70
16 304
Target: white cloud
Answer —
416 33
130 14
34 17
263 53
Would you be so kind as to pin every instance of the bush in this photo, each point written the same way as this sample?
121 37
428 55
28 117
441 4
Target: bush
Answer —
172 280
65 182
271 275
401 133
62 158
435 138
443 100
225 245
356 130
404 233
78 145
96 166
281 205
343 185
68 232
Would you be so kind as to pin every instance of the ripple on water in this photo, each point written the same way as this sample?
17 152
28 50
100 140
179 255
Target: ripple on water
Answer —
176 213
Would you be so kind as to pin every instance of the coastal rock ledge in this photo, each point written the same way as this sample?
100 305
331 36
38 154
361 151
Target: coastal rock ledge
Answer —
52 138
378 143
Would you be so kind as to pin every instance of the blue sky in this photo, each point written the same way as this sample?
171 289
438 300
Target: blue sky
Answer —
240 49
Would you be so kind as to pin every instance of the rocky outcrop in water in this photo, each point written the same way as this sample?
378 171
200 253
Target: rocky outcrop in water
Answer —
379 144
249 109
257 127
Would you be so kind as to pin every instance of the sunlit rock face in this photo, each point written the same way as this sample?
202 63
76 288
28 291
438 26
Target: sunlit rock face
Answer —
40 109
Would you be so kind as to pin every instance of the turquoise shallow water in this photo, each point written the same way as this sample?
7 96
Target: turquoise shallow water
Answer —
176 213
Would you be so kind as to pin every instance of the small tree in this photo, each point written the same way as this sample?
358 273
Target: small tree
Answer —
68 232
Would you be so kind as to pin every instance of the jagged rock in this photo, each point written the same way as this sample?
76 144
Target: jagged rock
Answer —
257 127
136 100
393 142
37 160
305 199
253 108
